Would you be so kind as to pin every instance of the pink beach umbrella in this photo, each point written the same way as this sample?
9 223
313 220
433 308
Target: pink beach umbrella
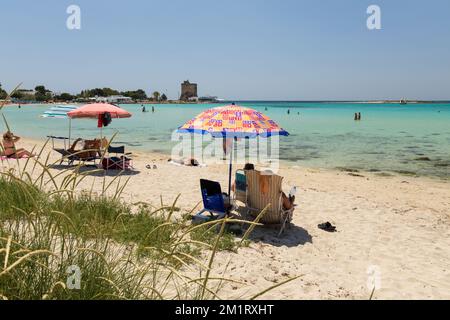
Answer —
94 110
98 111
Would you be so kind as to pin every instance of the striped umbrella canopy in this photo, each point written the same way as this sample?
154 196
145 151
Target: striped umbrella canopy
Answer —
59 111
234 122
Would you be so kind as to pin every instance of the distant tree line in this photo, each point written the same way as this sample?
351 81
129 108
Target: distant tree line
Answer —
42 94
3 93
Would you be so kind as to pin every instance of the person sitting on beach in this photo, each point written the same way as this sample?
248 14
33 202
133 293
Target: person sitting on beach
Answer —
91 148
9 147
247 167
288 201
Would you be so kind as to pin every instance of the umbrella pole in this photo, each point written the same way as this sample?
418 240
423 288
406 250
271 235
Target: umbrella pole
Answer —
231 168
70 130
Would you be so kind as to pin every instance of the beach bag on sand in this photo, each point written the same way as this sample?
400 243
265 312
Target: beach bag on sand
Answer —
116 163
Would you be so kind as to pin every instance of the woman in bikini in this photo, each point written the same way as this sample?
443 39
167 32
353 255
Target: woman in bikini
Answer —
9 147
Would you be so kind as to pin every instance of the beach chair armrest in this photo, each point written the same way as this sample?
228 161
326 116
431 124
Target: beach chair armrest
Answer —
58 138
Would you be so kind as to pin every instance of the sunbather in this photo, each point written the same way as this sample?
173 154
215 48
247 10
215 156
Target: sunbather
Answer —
188 162
248 166
9 147
288 201
90 148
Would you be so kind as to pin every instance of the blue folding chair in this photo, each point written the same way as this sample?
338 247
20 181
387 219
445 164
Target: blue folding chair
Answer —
213 202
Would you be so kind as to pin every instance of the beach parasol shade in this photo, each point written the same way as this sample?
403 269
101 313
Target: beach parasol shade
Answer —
94 110
233 122
59 111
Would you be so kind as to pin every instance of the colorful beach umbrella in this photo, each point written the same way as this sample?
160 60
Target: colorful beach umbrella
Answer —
233 122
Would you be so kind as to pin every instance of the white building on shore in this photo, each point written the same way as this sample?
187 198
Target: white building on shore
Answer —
112 99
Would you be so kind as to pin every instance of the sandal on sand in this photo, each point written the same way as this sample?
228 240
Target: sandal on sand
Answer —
327 227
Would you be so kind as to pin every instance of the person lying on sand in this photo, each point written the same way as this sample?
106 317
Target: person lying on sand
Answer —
9 147
191 162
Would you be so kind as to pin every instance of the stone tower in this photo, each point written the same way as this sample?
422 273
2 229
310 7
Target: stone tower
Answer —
188 90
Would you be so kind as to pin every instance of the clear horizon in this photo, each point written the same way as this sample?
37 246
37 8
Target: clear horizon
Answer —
290 51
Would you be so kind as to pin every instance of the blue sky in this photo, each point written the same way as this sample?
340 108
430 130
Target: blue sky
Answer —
235 49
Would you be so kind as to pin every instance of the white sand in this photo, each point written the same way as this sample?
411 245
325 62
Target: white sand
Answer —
397 227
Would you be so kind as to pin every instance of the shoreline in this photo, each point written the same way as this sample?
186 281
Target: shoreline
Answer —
286 164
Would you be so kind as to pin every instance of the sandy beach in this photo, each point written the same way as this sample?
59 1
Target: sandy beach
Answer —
394 229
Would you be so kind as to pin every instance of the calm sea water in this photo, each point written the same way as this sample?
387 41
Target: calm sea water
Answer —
389 138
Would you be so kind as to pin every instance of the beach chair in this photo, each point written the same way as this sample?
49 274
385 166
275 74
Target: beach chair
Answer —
85 155
122 162
240 186
265 189
213 202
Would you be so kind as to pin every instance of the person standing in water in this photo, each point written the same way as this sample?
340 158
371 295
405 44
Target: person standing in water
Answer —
289 111
143 109
153 109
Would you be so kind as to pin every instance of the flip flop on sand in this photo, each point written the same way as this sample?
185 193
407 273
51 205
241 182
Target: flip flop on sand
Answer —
327 227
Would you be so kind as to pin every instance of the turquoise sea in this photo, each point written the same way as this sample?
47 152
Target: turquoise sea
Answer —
409 139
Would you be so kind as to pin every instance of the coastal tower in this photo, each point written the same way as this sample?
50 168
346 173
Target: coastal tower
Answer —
188 91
